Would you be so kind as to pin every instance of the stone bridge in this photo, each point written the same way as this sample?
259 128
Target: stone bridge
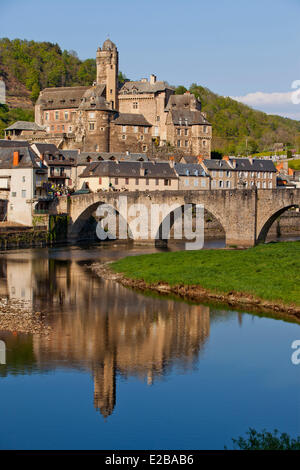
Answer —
245 215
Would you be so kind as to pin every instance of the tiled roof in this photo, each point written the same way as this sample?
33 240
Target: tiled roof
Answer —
242 164
129 169
61 97
188 117
144 87
4 143
25 125
189 169
96 156
28 158
131 120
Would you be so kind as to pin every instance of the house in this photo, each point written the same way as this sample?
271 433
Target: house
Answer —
129 176
23 184
25 130
60 164
232 173
192 176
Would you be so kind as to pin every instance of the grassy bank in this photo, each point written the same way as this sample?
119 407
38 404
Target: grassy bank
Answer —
269 272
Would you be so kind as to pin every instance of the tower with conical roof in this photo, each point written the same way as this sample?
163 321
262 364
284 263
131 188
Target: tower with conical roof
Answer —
107 61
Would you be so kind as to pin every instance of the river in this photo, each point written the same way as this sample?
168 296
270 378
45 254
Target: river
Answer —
125 370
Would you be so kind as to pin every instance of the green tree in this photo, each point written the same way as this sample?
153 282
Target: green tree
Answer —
266 441
180 90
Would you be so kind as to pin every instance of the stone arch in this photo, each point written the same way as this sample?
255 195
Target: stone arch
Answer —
266 225
210 211
83 221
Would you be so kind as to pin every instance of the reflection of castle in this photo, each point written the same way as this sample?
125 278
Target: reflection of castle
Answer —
105 328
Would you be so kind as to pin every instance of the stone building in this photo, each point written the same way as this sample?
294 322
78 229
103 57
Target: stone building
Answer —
113 117
129 176
232 173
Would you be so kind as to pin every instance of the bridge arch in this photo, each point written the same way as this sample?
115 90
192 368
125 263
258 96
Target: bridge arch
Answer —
85 221
268 222
173 217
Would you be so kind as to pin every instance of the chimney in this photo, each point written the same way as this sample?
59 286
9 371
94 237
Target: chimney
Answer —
16 158
250 160
200 159
152 79
171 162
226 158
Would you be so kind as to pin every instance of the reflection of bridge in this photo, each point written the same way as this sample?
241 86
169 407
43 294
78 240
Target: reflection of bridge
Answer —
246 215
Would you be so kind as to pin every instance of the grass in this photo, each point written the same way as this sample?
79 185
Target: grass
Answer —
270 272
294 164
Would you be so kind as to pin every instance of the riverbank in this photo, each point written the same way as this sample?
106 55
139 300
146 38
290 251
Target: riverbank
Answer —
265 277
17 316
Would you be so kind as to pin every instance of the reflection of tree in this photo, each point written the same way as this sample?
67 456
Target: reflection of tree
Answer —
110 330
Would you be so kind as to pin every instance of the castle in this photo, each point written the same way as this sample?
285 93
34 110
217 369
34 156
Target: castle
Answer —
133 116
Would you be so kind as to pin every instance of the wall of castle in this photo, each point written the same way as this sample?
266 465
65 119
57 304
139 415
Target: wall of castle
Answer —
136 139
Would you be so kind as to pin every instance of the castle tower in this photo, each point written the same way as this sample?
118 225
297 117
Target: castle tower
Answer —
107 60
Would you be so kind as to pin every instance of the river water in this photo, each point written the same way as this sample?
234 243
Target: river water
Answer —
125 370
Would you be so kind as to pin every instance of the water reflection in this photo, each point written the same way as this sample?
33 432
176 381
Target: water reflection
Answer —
98 325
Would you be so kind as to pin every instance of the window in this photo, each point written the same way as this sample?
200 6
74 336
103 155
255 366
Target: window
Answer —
186 182
228 174
123 128
47 116
156 131
123 137
136 181
167 182
265 175
214 173
203 183
157 118
13 194
126 180
142 137
23 179
144 148
157 181
220 184
228 184
67 116
52 128
186 143
264 185
204 129
270 184
258 185
203 143
135 129
91 126
23 192
116 180
146 130
58 128
178 143
56 115
221 173
135 105
178 131
196 182
147 182
186 132
213 184
252 174
62 127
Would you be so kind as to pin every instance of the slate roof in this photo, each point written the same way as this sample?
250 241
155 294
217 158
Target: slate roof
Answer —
55 156
42 148
189 169
96 156
129 169
183 101
4 143
242 164
188 117
25 125
28 158
93 99
127 119
144 87
61 97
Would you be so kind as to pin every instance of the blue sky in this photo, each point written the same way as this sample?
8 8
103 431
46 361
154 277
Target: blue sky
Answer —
234 47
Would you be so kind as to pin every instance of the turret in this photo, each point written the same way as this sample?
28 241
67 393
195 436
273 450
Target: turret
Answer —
107 60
